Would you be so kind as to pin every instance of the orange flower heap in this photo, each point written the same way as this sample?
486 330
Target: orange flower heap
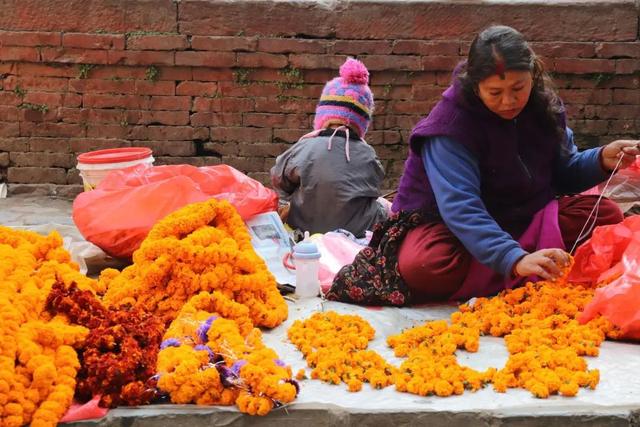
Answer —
38 365
201 247
210 359
545 341
431 367
334 346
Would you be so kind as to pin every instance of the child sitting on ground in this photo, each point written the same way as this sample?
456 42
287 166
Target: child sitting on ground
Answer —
331 178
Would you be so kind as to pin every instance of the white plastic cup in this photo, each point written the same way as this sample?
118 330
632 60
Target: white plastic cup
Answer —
96 165
306 258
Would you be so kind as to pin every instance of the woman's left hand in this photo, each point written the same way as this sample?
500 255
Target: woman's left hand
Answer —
611 153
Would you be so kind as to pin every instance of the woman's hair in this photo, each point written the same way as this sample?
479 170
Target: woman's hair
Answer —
500 48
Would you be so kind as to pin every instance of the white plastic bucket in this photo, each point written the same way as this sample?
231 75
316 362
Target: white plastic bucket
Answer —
95 165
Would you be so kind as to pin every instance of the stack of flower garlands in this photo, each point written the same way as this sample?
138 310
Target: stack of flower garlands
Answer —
201 247
335 345
38 364
545 342
211 355
196 265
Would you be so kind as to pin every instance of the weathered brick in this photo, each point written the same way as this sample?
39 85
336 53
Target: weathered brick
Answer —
69 130
440 63
307 61
216 119
282 45
32 175
583 66
4 159
14 144
171 118
262 150
626 96
584 96
175 133
82 145
175 73
217 44
287 135
8 113
624 127
43 160
101 86
194 161
42 84
392 62
290 121
410 107
241 134
140 57
93 41
28 54
172 103
627 66
197 88
246 164
221 148
134 102
168 148
157 42
233 89
74 56
430 48
211 75
166 88
205 59
289 105
30 38
360 47
50 145
618 50
224 105
115 131
261 59
563 49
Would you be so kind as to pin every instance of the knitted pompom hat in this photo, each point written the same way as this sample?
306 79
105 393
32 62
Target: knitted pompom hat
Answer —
346 100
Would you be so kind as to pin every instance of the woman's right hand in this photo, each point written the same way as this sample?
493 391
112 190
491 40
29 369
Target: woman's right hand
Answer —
547 264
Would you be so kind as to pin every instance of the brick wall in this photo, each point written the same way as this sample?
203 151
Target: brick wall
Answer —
236 82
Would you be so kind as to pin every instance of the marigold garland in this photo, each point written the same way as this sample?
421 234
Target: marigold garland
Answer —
334 345
201 247
38 364
209 359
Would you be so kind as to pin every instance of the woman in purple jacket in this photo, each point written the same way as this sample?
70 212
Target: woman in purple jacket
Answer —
490 169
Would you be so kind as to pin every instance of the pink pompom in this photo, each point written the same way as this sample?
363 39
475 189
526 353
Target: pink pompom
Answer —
354 71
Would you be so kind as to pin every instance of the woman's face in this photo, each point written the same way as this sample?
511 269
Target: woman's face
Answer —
506 96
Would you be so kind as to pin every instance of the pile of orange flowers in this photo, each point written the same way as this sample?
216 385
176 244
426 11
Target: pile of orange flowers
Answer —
545 342
118 357
38 364
334 345
431 366
212 355
201 247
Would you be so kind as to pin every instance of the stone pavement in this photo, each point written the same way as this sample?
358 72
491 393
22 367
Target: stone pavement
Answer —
615 403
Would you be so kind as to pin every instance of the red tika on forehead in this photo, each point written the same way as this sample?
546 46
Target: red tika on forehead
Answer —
500 67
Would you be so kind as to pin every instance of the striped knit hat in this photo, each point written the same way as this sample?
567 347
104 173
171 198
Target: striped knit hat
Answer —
346 100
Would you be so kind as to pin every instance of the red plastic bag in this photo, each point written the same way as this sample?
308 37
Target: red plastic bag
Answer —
598 260
119 213
619 301
624 188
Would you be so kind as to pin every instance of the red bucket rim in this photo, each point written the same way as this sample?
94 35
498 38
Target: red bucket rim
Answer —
115 155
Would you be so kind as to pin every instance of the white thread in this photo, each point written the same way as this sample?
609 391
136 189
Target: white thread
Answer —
594 211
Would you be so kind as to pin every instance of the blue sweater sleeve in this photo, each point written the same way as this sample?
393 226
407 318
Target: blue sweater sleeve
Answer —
574 171
454 176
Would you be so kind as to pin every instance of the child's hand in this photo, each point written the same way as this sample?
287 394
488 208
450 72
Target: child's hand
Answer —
548 264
